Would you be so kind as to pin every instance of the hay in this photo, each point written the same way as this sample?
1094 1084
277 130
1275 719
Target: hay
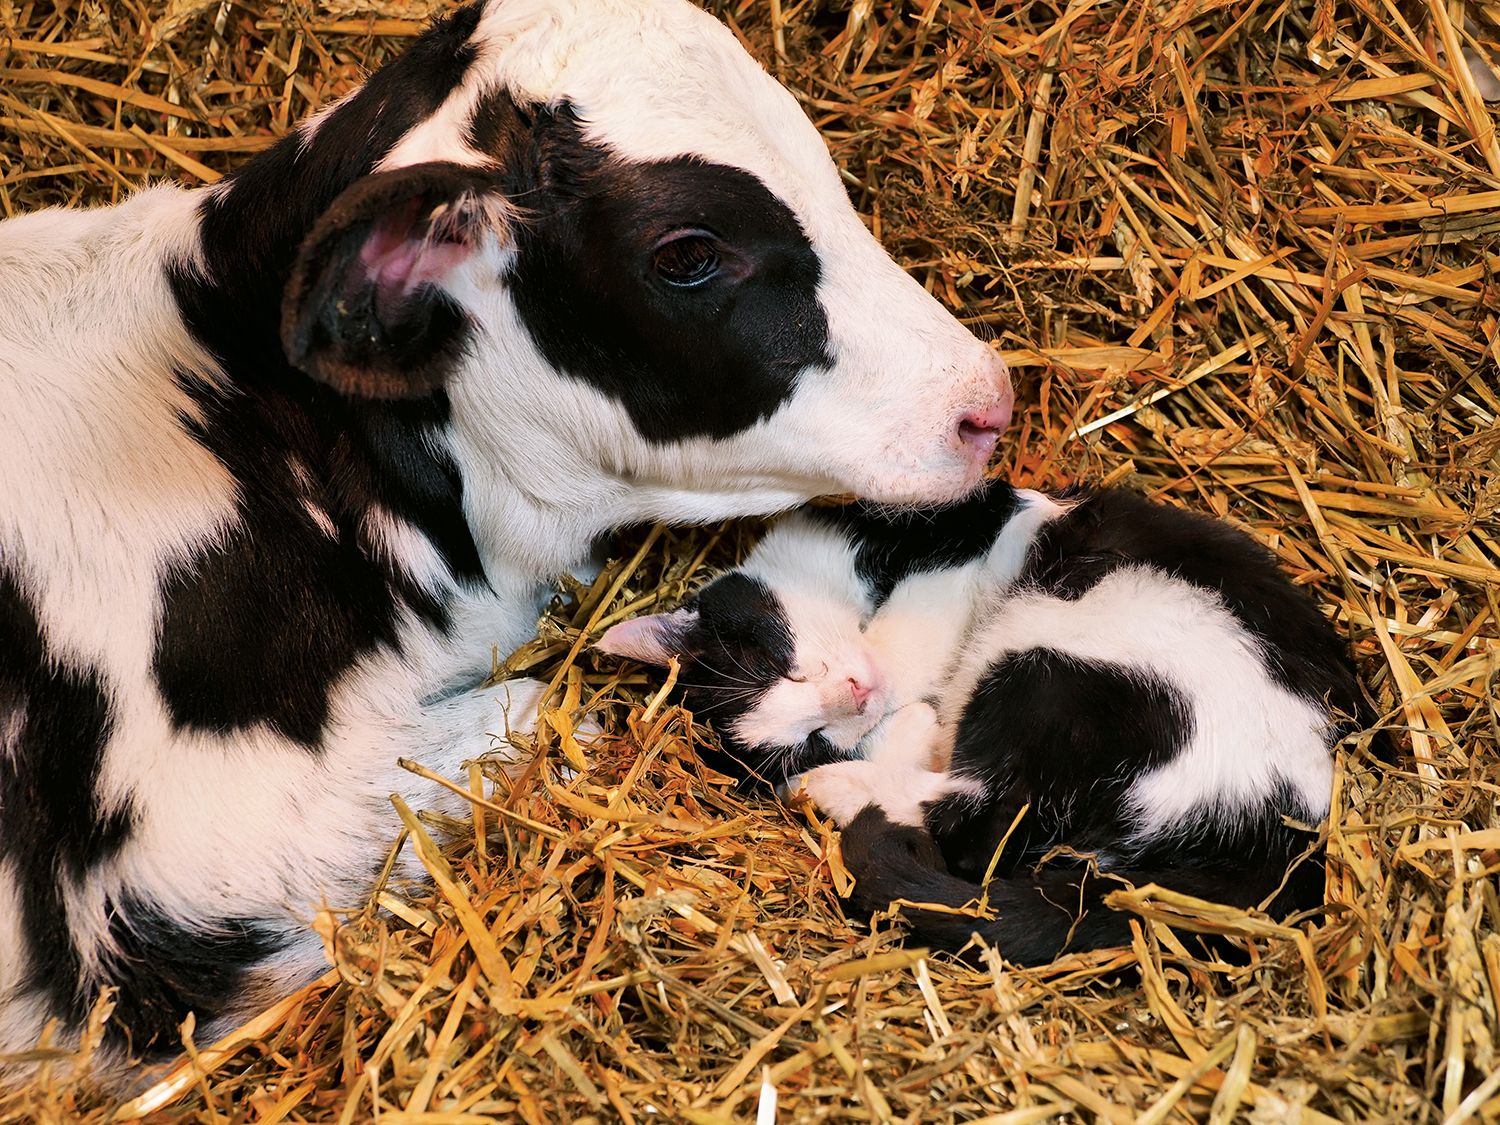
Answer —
1249 270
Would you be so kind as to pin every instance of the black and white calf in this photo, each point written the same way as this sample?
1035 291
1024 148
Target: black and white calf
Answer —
282 458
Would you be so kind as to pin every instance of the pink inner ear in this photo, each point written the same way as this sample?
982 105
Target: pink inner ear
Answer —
398 260
651 640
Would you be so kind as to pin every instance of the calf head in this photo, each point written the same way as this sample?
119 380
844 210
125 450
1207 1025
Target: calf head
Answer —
622 251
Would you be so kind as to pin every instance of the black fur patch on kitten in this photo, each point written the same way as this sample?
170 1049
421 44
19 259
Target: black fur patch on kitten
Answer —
734 650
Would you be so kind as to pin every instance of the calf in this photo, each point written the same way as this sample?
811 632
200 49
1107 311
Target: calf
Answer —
283 457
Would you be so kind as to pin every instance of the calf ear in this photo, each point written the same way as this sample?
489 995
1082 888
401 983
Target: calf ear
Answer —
366 310
653 639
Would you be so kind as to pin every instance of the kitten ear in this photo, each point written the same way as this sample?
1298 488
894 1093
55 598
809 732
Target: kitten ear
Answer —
653 639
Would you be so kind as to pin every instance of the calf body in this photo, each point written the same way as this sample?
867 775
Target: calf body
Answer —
285 456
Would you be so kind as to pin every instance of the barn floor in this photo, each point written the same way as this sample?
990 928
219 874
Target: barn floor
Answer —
1241 257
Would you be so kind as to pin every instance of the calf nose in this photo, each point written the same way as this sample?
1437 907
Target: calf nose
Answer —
979 430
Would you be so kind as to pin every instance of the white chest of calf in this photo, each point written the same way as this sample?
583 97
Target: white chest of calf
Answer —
283 457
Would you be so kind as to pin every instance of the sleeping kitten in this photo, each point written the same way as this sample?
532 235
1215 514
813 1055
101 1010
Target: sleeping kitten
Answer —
1142 681
773 655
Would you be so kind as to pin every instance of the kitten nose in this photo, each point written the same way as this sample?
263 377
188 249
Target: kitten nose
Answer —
860 692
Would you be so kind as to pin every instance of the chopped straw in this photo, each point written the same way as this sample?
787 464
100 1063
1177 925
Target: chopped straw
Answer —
1250 270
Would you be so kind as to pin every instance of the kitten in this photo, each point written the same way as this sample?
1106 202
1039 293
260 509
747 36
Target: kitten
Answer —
773 655
1142 681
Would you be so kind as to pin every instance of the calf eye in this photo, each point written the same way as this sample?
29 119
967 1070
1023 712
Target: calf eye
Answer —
687 261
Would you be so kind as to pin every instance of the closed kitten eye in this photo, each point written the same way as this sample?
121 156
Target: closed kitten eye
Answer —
804 679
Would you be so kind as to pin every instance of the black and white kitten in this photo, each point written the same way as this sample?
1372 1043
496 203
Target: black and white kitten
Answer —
774 654
1144 682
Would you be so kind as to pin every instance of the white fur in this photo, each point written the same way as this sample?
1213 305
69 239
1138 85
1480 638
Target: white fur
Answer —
804 556
1007 558
403 546
910 736
842 789
443 136
105 491
920 628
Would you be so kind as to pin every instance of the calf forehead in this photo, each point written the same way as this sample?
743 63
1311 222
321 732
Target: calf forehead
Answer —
658 79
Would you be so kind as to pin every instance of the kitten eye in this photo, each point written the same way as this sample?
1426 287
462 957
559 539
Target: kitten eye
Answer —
687 261
802 679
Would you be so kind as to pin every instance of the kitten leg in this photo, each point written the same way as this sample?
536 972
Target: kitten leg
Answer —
1045 913
842 789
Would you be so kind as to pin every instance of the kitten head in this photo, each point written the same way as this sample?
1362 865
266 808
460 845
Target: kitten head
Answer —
771 669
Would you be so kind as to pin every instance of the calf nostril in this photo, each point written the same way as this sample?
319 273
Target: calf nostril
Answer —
993 419
971 430
979 430
976 440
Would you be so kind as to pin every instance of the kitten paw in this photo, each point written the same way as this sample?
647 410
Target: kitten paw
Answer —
902 792
842 789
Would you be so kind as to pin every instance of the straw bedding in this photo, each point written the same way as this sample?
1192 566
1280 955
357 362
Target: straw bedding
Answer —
1241 257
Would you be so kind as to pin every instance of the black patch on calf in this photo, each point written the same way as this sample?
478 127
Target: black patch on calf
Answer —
261 622
709 359
259 626
54 723
165 970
